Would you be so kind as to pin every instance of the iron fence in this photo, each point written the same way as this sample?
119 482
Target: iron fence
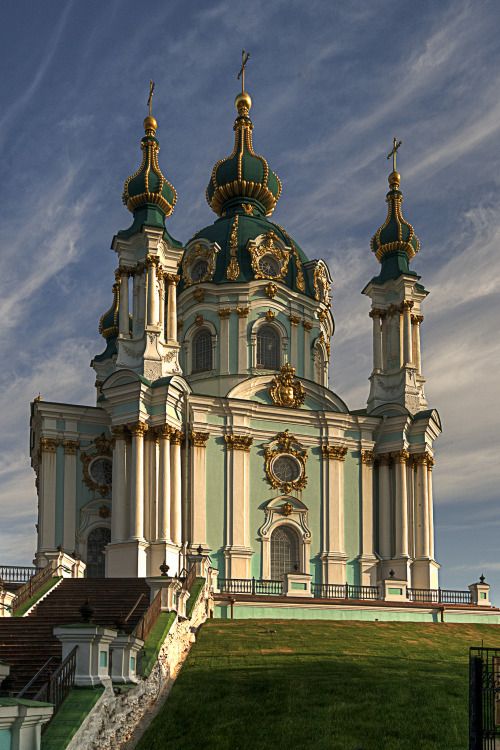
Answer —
253 586
32 585
439 596
344 591
484 698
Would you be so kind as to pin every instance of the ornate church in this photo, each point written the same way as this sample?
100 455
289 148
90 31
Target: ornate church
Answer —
215 431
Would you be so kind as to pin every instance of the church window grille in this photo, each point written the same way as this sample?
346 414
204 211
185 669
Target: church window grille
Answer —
199 270
268 348
202 351
96 543
284 552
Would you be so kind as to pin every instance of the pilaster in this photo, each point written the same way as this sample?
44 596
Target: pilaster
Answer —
242 339
237 551
198 536
334 556
367 559
47 500
224 314
69 528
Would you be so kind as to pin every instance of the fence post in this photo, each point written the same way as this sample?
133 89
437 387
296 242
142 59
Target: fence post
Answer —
347 591
439 595
475 703
253 585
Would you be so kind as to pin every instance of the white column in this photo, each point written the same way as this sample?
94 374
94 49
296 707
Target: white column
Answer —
335 534
176 486
417 319
152 315
400 338
172 280
242 339
161 293
421 507
238 450
69 533
123 311
367 503
164 486
377 340
401 504
224 314
137 481
430 507
198 488
47 517
119 507
308 358
384 506
407 306
150 486
385 341
294 322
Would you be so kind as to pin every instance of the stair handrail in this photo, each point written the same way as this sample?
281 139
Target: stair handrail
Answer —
32 585
139 600
148 619
35 677
189 579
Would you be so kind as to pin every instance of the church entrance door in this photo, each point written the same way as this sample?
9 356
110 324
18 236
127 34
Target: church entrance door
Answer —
284 552
96 542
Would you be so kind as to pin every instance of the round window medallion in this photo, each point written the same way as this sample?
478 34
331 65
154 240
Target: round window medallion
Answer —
199 270
101 471
286 468
269 266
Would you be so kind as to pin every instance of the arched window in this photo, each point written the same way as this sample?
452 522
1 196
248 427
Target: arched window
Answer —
284 552
202 351
268 348
96 542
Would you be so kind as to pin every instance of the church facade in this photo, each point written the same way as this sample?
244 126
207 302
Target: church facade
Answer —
215 431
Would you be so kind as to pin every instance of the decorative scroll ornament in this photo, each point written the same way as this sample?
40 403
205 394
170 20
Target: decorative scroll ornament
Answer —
269 257
321 284
285 463
97 465
198 263
301 284
285 390
233 269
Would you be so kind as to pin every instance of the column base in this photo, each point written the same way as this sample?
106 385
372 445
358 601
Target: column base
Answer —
160 552
400 567
334 567
425 574
127 559
368 570
238 561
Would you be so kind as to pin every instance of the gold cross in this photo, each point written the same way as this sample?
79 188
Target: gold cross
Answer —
150 97
395 145
241 74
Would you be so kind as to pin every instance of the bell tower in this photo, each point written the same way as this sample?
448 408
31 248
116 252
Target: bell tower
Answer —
397 297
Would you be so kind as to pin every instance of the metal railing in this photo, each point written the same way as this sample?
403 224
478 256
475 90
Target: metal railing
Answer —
253 586
44 668
344 591
189 579
17 573
60 682
439 596
33 585
148 619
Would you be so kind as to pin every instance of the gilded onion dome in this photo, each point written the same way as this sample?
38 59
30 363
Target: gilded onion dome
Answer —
148 188
395 242
108 325
243 174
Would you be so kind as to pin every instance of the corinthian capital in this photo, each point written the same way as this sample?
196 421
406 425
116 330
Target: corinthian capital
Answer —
199 439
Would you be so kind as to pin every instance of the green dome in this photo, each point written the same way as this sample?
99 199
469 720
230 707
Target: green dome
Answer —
243 174
148 187
236 233
396 235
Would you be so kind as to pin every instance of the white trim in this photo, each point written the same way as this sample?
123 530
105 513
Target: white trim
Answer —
297 520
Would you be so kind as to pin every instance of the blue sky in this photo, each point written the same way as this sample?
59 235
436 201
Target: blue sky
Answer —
331 82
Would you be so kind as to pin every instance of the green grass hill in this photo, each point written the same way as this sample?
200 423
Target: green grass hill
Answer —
321 686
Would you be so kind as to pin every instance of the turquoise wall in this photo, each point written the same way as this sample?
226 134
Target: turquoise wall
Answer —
370 614
5 739
352 514
216 501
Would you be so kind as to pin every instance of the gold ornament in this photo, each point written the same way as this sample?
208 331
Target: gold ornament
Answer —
285 390
271 290
287 509
321 284
194 253
285 445
269 245
233 269
238 442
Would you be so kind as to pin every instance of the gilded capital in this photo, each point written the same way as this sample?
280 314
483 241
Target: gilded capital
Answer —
383 459
176 437
400 456
172 278
119 432
406 305
224 312
70 447
367 457
242 312
335 452
307 325
48 445
294 319
138 429
238 442
164 431
199 439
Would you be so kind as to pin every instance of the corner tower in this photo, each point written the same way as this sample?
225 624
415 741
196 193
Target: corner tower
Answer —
397 297
249 299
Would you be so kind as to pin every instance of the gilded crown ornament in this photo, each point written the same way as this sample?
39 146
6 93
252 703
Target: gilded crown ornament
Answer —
285 389
148 186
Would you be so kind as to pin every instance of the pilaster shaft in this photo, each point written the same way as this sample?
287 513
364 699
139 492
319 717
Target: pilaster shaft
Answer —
334 551
123 315
172 280
152 316
176 487
407 334
377 340
119 509
242 339
421 507
137 481
198 488
69 532
47 510
224 315
384 507
401 504
164 484
367 502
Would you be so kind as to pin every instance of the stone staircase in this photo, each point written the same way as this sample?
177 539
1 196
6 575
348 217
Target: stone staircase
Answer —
26 643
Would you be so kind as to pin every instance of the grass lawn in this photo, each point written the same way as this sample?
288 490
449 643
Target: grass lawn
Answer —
71 715
322 685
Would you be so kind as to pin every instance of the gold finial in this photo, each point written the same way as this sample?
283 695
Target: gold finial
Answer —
150 124
241 74
38 398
